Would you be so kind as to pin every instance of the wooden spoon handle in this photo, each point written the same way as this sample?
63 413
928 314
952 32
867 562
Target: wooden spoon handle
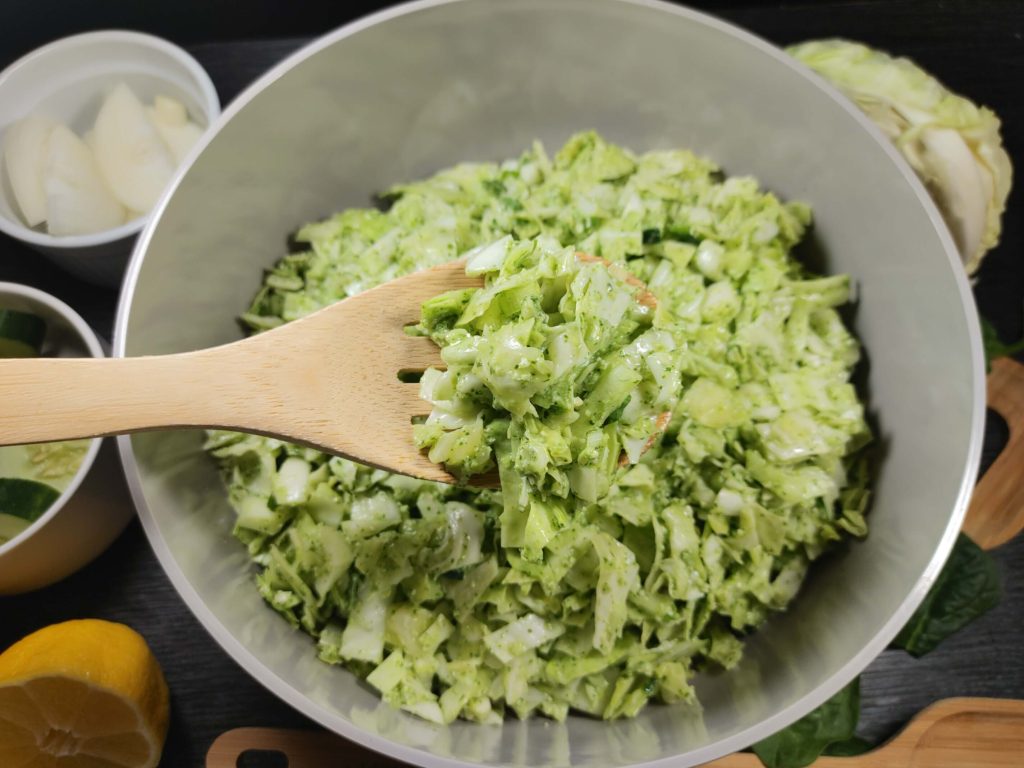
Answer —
996 513
45 399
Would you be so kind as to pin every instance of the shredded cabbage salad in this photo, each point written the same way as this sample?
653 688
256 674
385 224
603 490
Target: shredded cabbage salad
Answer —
672 458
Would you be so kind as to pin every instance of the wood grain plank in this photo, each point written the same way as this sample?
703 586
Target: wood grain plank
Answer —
996 513
953 733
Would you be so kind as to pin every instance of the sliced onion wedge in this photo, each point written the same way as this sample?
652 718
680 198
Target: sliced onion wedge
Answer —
179 137
132 157
25 150
77 198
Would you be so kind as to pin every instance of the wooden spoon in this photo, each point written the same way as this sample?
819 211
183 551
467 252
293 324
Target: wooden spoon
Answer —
952 733
337 380
329 380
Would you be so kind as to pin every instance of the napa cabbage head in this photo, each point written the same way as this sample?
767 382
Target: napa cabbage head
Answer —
952 144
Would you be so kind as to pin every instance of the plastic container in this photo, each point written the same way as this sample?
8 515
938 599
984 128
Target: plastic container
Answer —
67 80
95 506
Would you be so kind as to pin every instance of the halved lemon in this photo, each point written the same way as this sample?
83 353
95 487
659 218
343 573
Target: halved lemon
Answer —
82 694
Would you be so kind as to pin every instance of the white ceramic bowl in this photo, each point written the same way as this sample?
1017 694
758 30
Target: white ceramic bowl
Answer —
408 91
95 506
67 80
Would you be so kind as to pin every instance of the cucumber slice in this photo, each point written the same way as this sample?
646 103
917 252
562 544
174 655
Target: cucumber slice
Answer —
11 526
21 334
25 499
54 463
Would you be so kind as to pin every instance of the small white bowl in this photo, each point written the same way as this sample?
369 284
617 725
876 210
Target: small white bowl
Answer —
95 507
67 80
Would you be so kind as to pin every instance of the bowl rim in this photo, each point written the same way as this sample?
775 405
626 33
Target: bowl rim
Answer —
827 687
207 93
92 343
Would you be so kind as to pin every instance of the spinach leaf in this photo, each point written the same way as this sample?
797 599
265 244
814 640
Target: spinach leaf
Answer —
851 747
831 724
994 347
967 587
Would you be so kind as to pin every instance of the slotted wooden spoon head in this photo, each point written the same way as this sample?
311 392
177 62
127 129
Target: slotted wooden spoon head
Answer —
353 362
345 371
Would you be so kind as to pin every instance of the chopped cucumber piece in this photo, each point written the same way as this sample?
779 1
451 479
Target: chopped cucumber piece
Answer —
11 526
25 499
56 462
21 333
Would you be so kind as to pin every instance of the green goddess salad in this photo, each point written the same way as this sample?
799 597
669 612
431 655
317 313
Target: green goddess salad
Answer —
663 390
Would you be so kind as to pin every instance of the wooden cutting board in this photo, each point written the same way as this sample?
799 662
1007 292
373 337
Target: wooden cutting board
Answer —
952 733
996 513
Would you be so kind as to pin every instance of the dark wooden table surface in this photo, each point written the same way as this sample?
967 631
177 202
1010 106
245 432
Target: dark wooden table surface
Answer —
975 46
